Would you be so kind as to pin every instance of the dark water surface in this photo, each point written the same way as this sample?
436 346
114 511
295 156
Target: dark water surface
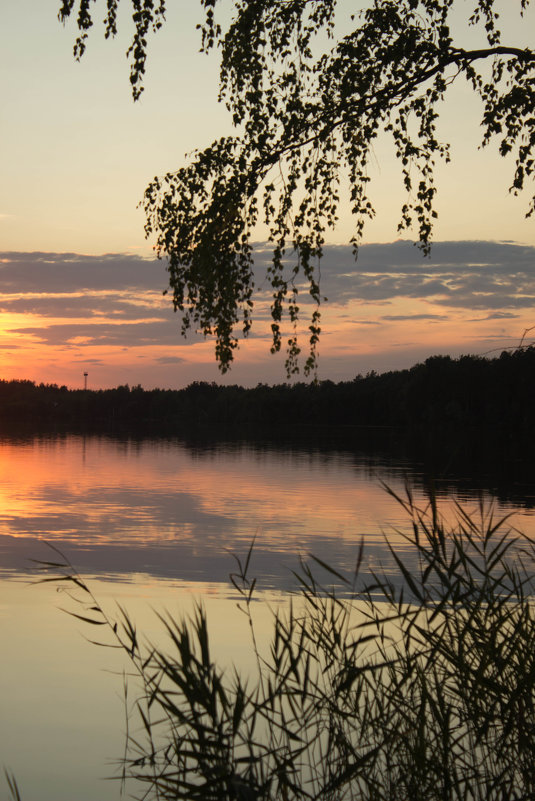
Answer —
154 522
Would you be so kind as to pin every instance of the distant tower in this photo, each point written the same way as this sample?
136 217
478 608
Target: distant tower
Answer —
85 380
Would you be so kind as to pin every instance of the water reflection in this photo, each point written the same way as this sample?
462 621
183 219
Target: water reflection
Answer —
62 702
172 509
155 520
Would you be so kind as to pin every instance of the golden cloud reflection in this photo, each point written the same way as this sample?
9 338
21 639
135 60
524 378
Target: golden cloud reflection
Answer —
160 508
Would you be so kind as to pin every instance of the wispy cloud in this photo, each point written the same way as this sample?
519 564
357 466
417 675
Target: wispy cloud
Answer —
86 306
456 275
494 316
73 272
90 334
402 317
462 275
170 360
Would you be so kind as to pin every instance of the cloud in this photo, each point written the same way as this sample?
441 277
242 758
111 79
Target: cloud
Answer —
116 300
96 305
170 360
108 334
400 317
495 316
465 299
403 256
478 275
73 272
454 270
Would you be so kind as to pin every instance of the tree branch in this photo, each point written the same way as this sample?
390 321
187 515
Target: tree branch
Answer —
388 95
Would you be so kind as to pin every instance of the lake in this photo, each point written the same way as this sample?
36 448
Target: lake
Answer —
153 523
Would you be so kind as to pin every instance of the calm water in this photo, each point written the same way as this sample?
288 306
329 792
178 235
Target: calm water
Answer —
154 524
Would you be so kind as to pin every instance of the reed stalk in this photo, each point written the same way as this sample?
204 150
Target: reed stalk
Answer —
415 688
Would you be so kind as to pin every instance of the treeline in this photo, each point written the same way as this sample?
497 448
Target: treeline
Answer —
442 391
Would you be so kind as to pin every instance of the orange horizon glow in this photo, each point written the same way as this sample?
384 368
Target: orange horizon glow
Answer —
26 357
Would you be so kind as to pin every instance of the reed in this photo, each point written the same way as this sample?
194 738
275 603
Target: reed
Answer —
415 689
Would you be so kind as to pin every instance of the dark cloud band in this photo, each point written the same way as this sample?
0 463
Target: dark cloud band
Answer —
117 297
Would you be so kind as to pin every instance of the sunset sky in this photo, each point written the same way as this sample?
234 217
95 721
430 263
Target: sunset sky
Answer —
81 291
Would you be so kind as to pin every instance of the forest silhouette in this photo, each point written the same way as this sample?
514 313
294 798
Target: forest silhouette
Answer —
443 392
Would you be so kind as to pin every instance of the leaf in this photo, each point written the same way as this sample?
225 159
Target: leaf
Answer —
85 619
13 787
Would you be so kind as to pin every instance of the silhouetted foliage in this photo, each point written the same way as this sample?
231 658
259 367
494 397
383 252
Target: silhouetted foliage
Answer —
307 110
414 687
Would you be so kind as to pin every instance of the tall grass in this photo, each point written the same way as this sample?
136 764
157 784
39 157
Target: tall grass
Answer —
419 689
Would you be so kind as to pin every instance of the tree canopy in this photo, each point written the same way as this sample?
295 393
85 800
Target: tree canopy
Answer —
307 105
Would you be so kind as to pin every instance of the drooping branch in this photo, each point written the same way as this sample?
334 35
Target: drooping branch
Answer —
313 113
